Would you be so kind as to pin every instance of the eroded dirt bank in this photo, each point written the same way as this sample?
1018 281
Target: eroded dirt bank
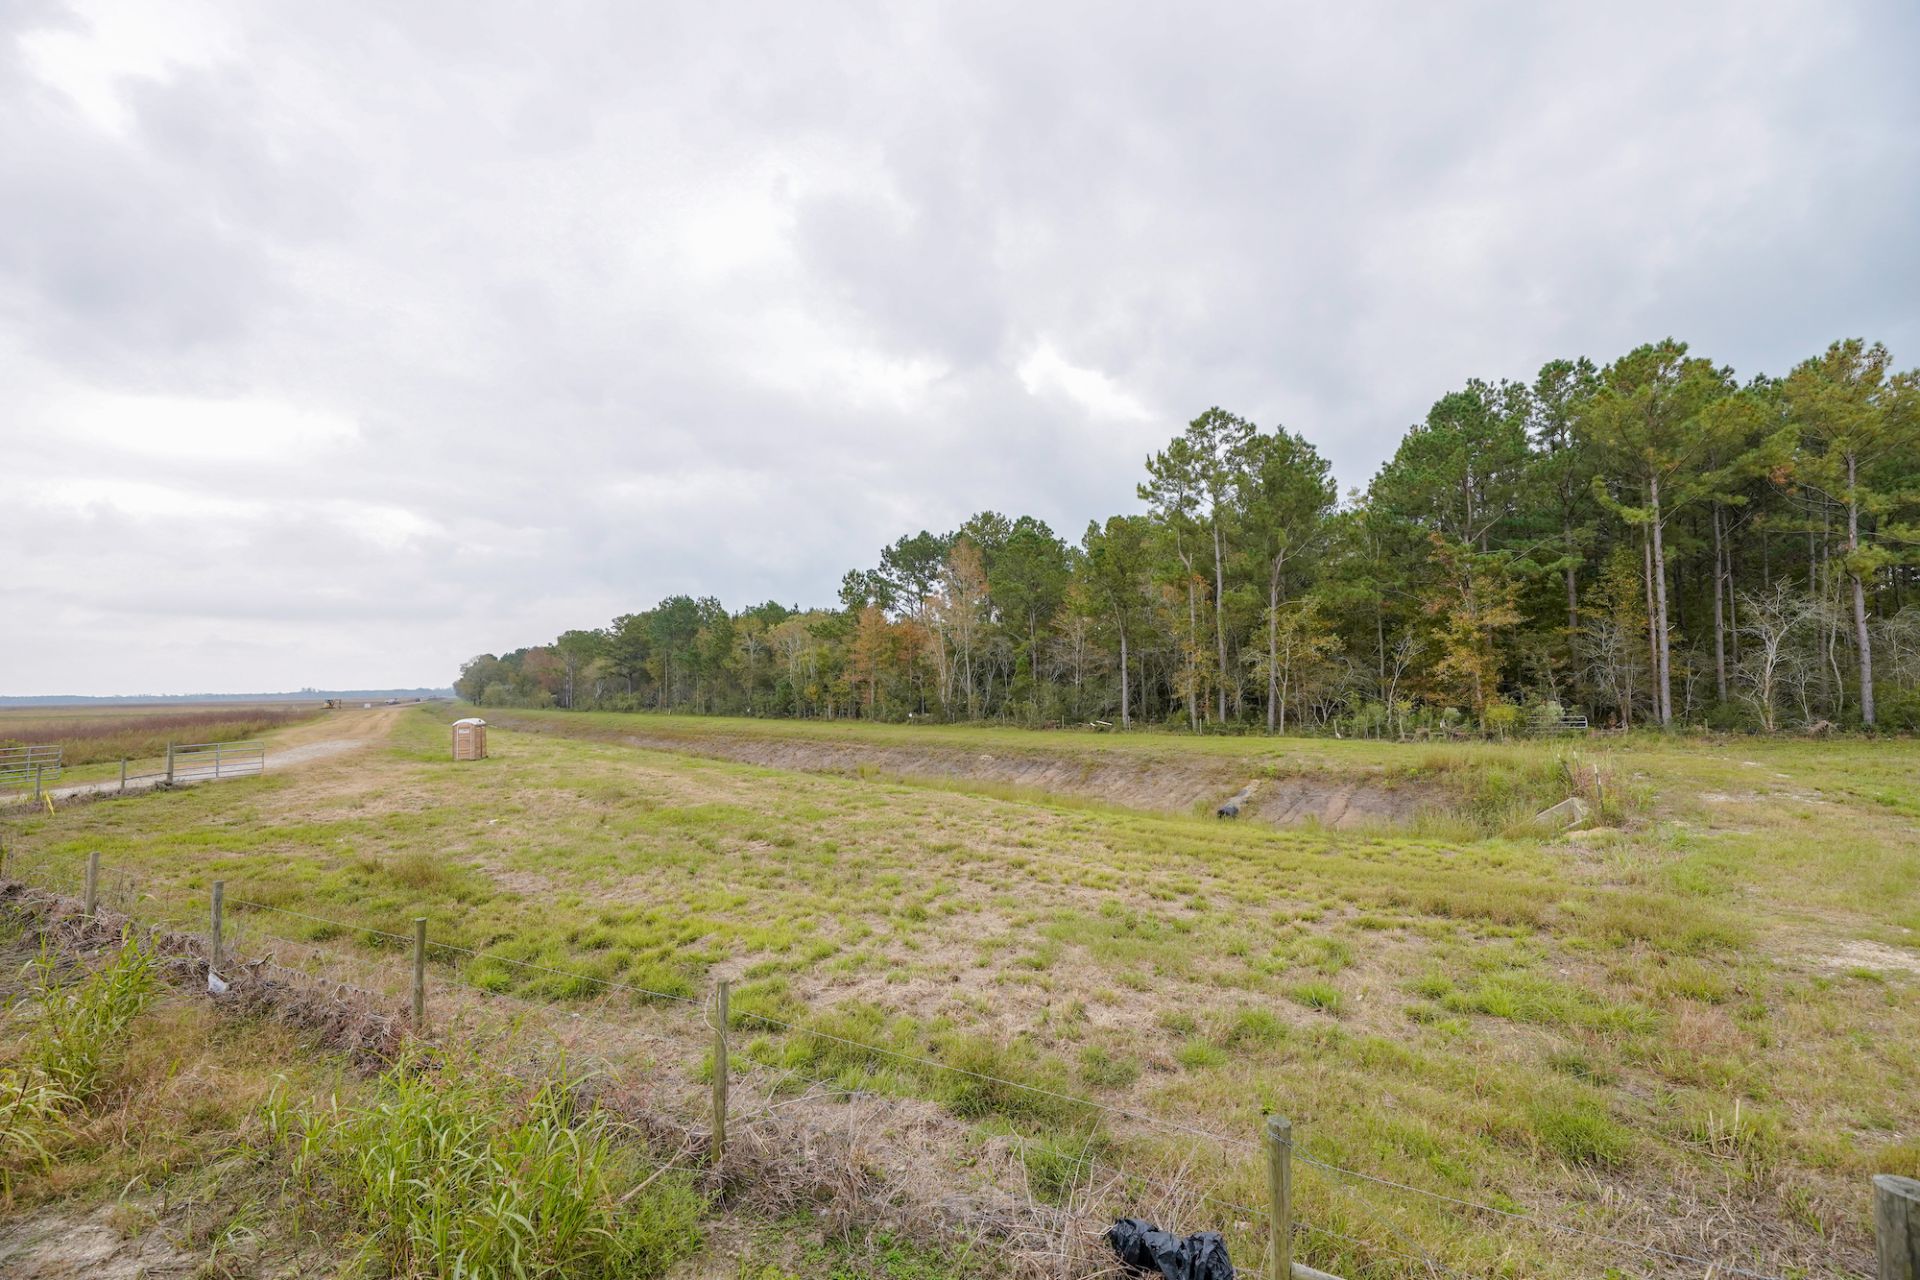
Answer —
1138 781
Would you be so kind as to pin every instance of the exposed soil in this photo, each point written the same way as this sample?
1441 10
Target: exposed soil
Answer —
1872 956
58 1246
1165 784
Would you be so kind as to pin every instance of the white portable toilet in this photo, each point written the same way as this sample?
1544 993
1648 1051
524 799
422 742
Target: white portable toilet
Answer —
470 739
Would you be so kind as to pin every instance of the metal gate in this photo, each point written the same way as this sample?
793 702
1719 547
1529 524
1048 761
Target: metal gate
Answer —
30 764
198 761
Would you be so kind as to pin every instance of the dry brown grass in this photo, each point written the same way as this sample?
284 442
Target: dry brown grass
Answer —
138 733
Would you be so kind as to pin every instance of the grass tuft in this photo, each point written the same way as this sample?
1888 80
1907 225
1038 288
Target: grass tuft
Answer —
1580 1133
451 1171
84 1028
1323 996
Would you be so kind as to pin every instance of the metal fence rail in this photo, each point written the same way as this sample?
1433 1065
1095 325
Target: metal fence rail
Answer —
198 761
29 764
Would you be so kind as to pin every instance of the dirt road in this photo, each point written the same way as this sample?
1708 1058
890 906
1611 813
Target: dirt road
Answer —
334 733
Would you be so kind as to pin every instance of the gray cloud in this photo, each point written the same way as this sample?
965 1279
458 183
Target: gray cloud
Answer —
342 341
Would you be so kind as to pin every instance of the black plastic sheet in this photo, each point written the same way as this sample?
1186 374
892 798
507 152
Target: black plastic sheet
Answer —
1200 1256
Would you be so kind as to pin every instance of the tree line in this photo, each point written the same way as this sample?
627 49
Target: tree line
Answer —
1652 542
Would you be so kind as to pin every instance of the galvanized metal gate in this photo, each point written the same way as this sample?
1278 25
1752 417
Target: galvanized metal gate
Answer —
195 762
35 765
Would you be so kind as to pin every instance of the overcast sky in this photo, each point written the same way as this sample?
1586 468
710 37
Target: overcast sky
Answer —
339 342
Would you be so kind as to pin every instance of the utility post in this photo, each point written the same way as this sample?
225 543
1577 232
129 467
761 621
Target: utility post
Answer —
214 943
419 975
720 1074
1896 1226
1279 1198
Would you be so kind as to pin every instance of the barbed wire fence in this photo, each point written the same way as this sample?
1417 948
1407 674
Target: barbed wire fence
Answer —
1349 1195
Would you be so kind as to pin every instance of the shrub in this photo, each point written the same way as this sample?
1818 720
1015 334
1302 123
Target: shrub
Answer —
454 1172
84 1028
81 1035
1503 718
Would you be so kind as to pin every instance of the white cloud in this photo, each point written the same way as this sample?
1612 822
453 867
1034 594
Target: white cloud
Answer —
1046 373
140 500
106 43
194 429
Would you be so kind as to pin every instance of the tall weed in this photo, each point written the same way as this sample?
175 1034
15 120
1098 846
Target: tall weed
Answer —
32 1118
456 1172
84 1028
77 1033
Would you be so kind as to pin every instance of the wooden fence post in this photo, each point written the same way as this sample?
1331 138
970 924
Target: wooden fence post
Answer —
123 775
419 974
1280 1198
169 764
1896 1226
720 1073
93 882
36 784
214 940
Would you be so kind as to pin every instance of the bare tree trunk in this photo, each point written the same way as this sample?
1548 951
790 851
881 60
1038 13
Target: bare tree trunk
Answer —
1273 645
1573 591
1193 646
1733 603
1125 722
1653 623
1220 617
1829 601
1678 595
1380 644
1859 596
1719 612
1660 595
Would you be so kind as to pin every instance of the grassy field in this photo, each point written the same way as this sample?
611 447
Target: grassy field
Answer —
94 739
1439 789
228 1145
1698 1032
